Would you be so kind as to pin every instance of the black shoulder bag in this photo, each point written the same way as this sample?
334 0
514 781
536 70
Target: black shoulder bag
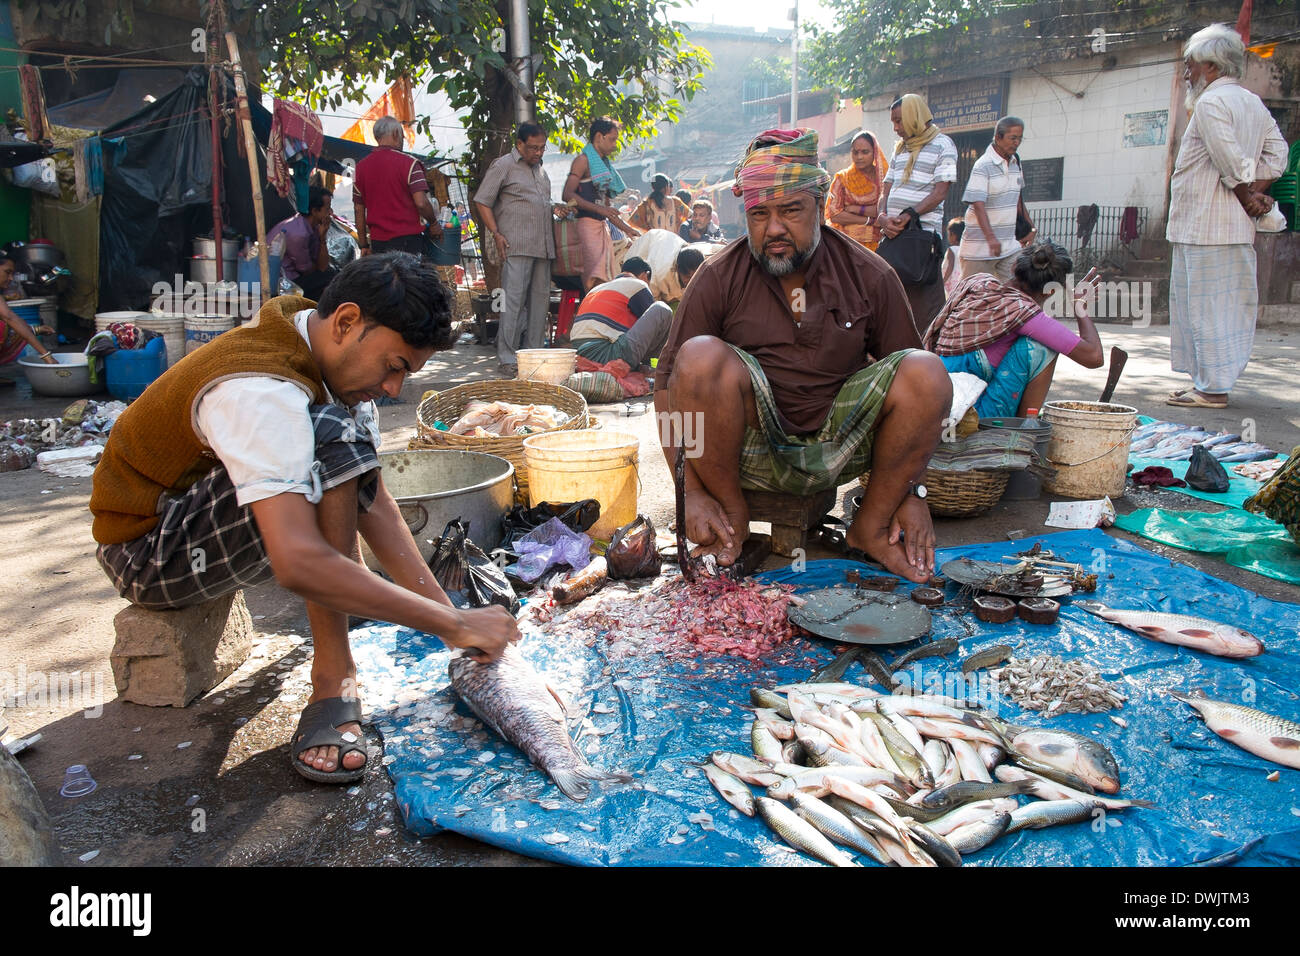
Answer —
916 254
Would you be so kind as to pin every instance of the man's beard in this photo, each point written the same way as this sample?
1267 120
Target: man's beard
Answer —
778 268
1194 93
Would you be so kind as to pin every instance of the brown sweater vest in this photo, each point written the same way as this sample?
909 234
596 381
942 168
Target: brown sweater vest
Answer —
154 446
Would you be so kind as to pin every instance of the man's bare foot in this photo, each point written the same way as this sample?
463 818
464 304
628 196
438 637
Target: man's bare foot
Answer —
893 557
326 759
718 531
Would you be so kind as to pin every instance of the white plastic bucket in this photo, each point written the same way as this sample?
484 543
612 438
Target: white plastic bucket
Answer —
202 329
104 319
552 366
574 465
1088 448
171 326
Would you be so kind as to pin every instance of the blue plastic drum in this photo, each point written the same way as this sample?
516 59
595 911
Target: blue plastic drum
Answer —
129 371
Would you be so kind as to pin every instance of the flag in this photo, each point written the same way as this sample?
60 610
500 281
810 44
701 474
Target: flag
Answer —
396 102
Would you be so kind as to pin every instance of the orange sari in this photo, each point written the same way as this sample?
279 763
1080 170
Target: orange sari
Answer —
849 187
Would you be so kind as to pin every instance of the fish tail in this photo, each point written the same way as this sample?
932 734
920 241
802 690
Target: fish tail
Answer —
572 783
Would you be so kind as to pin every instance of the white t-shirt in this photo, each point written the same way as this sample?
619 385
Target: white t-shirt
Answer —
935 163
260 429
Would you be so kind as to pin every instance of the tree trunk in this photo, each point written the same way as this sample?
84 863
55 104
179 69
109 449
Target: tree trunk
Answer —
500 97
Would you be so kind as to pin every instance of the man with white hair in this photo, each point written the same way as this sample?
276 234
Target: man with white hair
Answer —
390 196
1231 152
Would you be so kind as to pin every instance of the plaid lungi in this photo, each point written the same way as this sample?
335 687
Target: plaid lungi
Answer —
207 545
771 460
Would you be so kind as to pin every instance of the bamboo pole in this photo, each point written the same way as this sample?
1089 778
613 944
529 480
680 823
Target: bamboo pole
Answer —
254 174
218 230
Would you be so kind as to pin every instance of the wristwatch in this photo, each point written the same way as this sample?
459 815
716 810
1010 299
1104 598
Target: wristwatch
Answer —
919 490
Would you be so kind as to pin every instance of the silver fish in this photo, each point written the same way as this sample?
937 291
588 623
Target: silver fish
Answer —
763 697
766 746
970 813
1198 633
1049 813
836 826
973 837
967 791
512 698
1045 788
799 833
1073 753
1265 735
731 789
746 768
935 846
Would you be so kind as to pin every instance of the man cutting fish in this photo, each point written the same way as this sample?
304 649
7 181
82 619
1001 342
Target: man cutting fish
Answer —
795 354
255 458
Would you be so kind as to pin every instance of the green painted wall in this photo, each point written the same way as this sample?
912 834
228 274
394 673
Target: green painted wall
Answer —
15 204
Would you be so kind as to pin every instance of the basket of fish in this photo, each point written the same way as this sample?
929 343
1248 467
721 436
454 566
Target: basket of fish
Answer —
495 418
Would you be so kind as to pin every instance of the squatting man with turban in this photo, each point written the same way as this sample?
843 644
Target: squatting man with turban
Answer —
795 356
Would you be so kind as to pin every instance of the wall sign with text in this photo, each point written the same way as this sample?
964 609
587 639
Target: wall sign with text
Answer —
968 104
1044 179
1145 129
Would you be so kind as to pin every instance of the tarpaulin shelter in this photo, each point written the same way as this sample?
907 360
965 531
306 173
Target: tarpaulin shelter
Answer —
158 175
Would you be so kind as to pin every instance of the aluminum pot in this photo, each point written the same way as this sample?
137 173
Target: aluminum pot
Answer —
435 486
207 248
41 257
204 269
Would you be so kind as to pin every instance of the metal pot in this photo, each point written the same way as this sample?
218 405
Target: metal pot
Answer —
435 486
204 269
41 257
207 248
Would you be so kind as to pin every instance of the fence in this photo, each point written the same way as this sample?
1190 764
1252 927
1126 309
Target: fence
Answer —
1105 240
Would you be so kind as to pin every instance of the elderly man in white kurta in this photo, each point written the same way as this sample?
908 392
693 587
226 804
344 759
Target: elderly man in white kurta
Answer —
1232 151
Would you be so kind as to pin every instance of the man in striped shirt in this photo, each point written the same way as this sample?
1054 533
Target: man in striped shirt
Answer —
924 168
993 191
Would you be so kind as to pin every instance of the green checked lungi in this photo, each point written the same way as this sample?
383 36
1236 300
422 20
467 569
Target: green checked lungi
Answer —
771 460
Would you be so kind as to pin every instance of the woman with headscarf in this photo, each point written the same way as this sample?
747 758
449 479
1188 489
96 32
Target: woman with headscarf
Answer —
661 210
999 331
592 184
851 204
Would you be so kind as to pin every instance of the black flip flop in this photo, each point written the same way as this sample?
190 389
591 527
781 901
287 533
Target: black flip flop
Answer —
318 727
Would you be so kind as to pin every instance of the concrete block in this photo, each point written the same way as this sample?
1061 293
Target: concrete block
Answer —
1283 315
168 658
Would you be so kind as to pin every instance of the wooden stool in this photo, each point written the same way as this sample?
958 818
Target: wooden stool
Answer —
790 515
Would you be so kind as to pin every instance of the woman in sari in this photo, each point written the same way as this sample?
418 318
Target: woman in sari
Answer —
592 184
1000 333
660 210
851 201
17 333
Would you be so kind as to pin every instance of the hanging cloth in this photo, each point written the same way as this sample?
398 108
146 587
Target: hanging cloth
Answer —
290 121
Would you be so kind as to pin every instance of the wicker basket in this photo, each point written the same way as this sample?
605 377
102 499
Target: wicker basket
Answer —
449 404
960 494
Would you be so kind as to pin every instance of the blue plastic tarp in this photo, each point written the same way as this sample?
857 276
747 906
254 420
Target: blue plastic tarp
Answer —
663 718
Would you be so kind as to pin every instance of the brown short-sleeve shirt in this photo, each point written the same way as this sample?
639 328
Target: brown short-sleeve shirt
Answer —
856 312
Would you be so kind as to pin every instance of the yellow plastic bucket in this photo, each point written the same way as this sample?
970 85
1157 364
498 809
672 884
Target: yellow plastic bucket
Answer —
552 366
1088 448
575 465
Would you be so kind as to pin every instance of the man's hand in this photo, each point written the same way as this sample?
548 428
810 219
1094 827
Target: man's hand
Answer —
363 250
706 522
484 632
911 523
995 248
503 245
435 231
891 226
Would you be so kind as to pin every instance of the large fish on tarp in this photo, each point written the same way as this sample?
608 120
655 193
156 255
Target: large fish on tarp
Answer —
513 699
1198 633
1265 735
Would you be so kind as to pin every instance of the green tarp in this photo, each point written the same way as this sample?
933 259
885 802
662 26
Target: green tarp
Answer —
1247 541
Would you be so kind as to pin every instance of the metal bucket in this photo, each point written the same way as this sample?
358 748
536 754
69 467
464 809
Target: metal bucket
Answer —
435 486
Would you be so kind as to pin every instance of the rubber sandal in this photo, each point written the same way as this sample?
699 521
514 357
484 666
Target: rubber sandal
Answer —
1189 399
317 727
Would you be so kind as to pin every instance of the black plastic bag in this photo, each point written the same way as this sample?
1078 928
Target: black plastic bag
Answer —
577 515
1205 473
458 564
632 552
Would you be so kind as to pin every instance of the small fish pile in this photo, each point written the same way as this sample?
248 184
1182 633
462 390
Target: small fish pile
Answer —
1055 686
907 780
1173 442
513 699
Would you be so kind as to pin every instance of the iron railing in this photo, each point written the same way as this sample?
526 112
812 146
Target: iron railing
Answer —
1088 247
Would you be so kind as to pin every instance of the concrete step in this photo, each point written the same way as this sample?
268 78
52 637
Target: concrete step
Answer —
1132 300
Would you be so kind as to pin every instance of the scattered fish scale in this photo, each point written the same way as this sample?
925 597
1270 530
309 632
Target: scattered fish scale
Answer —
1054 686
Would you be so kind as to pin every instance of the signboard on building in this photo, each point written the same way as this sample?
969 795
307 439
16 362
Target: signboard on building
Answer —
1145 129
968 104
1043 179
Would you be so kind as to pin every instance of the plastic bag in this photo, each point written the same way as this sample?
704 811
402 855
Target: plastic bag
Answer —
458 564
42 176
552 544
1204 473
632 552
578 515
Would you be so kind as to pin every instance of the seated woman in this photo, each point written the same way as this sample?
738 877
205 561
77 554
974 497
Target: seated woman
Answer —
17 333
999 332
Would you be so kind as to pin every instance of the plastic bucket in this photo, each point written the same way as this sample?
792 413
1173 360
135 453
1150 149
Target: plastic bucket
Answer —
446 251
104 319
1023 485
202 329
29 310
573 465
552 366
171 326
1088 448
249 273
129 371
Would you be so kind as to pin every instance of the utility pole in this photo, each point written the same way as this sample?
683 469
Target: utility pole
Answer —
522 57
794 67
